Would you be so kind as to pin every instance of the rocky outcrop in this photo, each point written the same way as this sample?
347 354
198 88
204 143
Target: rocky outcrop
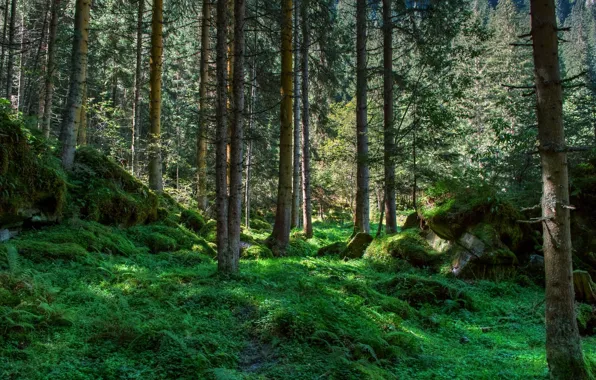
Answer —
585 289
334 249
357 246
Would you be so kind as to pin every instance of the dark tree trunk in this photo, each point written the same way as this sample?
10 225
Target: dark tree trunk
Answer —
50 69
202 133
362 172
3 45
11 35
78 77
296 190
306 196
221 137
253 94
563 347
236 143
389 136
281 228
154 148
136 105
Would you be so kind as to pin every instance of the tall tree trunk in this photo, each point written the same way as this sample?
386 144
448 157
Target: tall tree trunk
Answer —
415 172
296 163
154 148
389 138
136 105
11 33
362 172
281 228
202 133
563 347
253 94
78 77
3 45
82 132
221 137
42 47
21 81
306 196
50 69
236 143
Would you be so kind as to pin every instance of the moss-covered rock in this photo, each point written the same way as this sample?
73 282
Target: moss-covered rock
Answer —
192 220
408 245
162 238
38 251
357 246
585 289
260 225
586 319
209 231
334 249
412 221
32 182
256 251
107 193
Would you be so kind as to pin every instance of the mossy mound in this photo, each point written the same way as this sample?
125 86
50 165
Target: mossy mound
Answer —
192 220
334 249
163 238
256 251
39 251
109 194
32 182
450 210
357 246
407 245
209 231
260 225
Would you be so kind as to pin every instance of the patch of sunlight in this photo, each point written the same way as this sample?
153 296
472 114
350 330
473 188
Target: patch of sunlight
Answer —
415 333
100 291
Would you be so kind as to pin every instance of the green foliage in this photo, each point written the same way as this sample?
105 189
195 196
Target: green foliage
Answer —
257 251
192 220
260 225
164 238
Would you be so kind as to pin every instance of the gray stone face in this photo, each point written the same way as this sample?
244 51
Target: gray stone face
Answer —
4 235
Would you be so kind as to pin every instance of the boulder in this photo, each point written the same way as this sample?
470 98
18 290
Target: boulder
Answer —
479 253
334 249
585 289
357 246
412 221
435 241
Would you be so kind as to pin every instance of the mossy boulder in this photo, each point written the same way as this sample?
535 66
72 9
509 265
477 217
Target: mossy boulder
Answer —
260 225
192 220
32 182
162 238
209 231
357 246
479 253
412 221
256 251
107 193
39 251
586 319
408 245
334 249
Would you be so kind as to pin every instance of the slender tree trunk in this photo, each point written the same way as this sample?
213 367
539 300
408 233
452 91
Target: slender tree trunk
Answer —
82 132
415 172
202 133
50 69
281 228
306 196
154 149
253 94
21 81
136 105
296 173
11 36
221 178
3 46
236 143
42 47
389 138
362 175
78 77
563 347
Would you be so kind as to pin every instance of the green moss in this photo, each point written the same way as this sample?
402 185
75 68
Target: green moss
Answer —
209 231
163 238
407 245
192 220
260 225
334 249
38 251
257 252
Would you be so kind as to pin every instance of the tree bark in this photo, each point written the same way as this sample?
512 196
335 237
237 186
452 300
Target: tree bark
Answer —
221 136
389 138
563 347
78 77
236 143
82 131
154 148
21 81
306 193
3 45
253 94
362 223
296 163
281 228
136 105
50 69
11 33
202 133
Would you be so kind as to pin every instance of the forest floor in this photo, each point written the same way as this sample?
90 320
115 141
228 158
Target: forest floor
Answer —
169 315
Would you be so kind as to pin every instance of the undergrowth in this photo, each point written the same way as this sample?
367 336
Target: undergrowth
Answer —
129 309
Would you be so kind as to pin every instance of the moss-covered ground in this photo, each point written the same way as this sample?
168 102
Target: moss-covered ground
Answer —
102 312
